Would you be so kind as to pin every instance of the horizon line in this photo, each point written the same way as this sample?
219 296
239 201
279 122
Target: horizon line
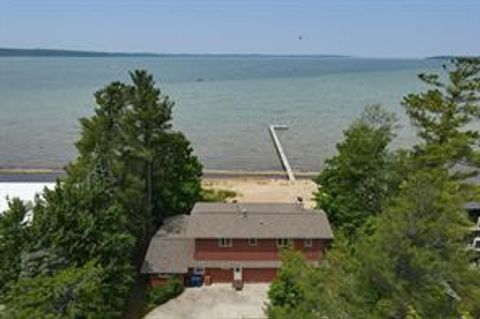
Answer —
58 52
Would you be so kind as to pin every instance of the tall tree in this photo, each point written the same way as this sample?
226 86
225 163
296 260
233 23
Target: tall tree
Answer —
354 183
157 173
445 117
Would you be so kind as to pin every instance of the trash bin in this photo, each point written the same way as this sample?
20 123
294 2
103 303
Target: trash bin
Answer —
196 281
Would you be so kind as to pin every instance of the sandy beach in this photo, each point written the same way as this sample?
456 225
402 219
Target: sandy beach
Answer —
258 189
254 189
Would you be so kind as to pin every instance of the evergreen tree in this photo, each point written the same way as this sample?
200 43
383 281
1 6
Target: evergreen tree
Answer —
157 175
444 116
417 257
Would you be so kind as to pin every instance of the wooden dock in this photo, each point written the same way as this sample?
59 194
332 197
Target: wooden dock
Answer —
280 151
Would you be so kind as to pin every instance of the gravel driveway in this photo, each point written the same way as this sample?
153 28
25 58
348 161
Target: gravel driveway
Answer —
218 301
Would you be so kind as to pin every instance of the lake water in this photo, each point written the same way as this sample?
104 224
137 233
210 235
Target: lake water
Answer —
225 115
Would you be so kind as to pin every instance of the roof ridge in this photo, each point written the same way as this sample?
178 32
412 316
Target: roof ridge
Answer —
303 211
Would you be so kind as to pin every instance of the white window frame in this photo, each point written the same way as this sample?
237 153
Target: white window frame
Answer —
283 242
474 243
253 241
225 242
308 243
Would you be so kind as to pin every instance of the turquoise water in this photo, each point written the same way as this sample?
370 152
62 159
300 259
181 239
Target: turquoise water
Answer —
225 115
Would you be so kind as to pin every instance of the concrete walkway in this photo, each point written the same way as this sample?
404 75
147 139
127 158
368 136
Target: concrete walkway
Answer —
216 301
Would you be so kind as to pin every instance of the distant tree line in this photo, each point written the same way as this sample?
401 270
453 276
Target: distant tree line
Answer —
80 254
401 231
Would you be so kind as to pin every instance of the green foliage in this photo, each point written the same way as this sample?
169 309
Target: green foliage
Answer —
444 115
14 235
213 195
354 184
286 290
76 224
163 293
72 293
417 256
332 290
412 314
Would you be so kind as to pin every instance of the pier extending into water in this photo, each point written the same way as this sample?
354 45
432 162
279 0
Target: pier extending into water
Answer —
280 151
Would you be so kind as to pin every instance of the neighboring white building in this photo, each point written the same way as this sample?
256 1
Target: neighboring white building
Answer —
24 191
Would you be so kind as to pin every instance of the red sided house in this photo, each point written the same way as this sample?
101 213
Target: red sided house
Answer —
241 242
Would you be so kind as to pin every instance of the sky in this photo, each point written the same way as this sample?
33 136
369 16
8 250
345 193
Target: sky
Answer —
365 28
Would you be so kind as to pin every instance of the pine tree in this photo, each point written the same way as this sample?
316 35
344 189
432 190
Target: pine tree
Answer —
444 116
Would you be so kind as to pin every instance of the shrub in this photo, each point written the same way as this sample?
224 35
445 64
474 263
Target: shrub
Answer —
163 293
212 195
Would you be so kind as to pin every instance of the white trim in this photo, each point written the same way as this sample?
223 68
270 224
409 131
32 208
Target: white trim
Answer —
253 241
283 242
225 242
308 243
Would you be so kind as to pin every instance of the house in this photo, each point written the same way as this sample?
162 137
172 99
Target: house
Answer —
224 242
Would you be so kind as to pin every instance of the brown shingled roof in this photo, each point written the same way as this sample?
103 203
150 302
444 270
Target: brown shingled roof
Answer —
258 221
169 250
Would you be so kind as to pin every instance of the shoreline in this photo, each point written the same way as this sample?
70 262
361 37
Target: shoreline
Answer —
43 174
248 186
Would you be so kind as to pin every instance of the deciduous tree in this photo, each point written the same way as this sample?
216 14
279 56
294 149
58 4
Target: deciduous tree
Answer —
354 184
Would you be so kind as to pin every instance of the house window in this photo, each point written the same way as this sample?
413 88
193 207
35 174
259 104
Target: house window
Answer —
282 242
225 242
252 241
307 243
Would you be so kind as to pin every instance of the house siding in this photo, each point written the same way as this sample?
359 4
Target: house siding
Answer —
259 274
266 249
219 274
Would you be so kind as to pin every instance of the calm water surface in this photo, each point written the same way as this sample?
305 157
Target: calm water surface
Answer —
225 115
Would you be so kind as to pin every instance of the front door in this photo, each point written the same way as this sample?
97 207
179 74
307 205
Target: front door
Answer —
237 273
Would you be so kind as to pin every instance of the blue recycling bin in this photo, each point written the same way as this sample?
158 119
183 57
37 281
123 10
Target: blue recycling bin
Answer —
196 281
